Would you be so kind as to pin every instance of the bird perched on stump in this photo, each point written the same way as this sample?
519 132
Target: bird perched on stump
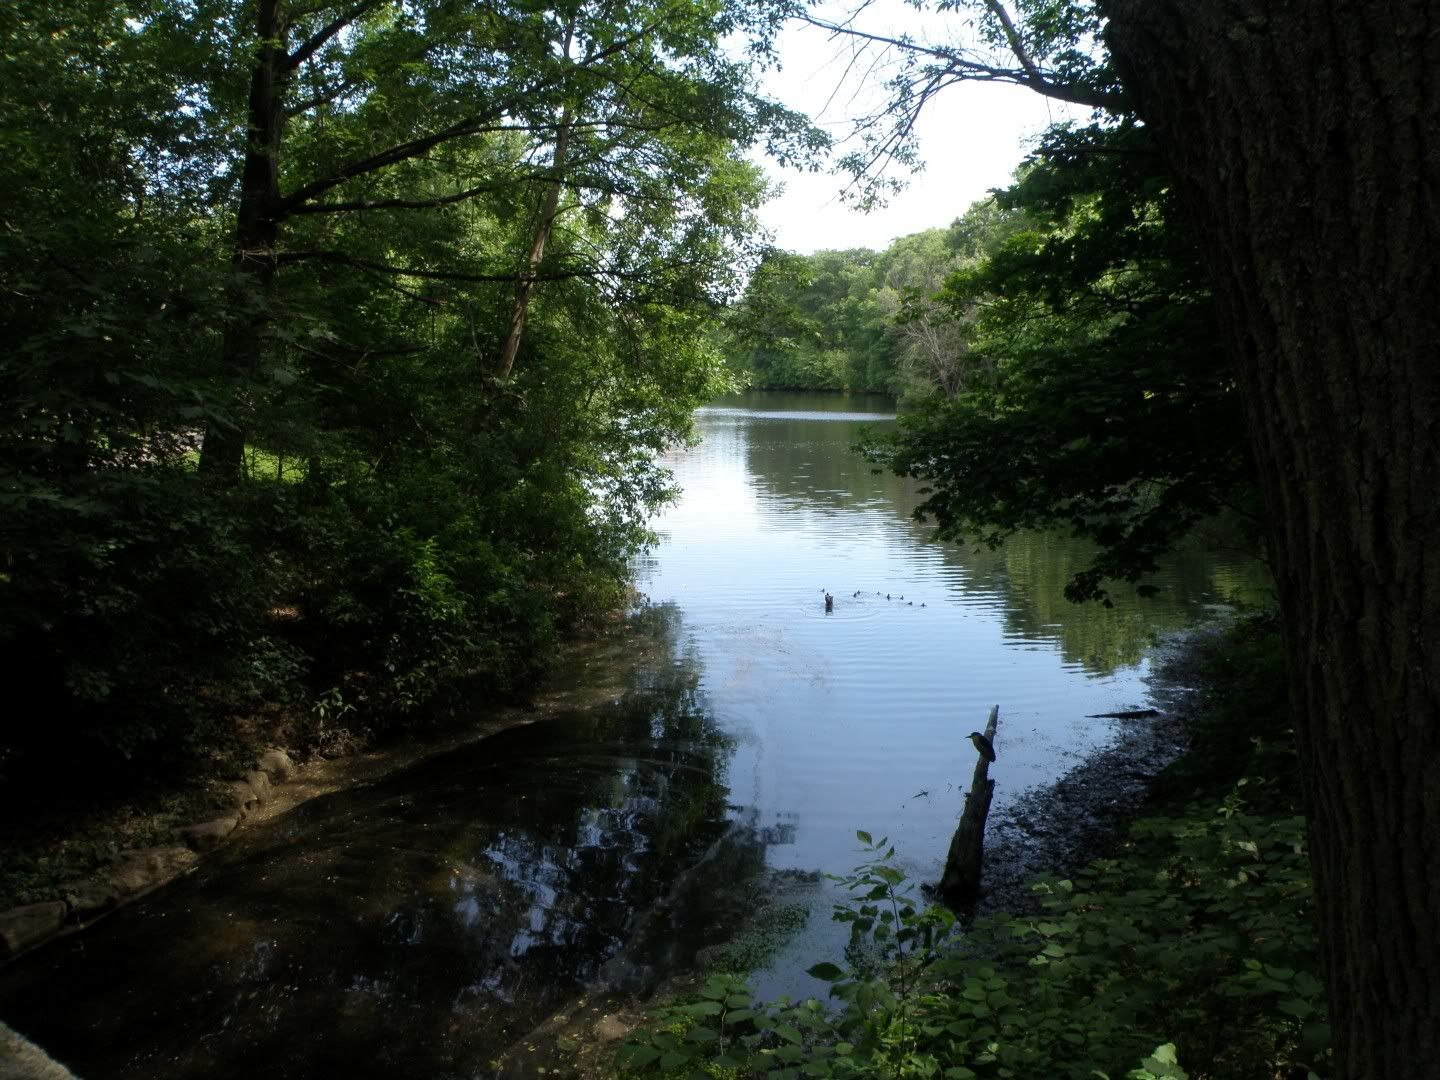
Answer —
983 745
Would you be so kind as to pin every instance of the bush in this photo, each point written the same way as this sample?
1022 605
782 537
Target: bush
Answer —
1192 944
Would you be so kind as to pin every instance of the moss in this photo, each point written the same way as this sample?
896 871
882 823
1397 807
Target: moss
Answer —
769 929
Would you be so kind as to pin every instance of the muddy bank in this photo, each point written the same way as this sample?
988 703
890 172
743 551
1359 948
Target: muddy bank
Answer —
1057 829
172 842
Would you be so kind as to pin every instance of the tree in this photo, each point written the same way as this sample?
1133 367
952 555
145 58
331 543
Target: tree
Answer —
1307 146
1106 406
306 231
385 108
1305 141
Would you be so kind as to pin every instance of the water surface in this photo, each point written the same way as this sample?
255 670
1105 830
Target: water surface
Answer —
421 926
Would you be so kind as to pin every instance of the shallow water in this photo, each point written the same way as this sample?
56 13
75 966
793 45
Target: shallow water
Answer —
421 925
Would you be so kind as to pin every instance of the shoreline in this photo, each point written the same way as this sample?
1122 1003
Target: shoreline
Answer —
274 786
1098 799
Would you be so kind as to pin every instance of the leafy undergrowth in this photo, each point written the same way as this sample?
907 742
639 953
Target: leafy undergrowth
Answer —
1189 951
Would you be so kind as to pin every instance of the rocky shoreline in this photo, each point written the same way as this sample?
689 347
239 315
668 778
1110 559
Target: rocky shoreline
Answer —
275 785
1057 829
139 871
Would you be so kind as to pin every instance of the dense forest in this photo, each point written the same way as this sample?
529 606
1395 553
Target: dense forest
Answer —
861 320
342 339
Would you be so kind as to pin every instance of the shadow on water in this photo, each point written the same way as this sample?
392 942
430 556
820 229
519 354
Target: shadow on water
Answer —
419 925
424 925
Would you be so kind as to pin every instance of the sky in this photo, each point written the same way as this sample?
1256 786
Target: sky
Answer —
972 136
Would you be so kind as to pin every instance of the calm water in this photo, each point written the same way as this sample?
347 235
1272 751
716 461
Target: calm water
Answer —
422 925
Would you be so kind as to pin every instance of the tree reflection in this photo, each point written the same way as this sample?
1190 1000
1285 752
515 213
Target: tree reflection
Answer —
808 468
420 925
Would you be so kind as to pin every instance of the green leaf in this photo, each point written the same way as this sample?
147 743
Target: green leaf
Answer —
637 1056
827 971
864 837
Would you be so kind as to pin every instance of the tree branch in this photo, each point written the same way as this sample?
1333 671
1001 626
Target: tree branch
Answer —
962 68
311 45
558 274
321 98
430 275
475 124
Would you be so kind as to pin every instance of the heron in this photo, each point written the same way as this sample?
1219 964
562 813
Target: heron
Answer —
983 745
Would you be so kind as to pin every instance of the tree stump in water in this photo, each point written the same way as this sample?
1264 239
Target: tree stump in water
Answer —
960 884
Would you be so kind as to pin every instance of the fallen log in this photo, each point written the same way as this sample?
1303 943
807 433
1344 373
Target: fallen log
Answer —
960 884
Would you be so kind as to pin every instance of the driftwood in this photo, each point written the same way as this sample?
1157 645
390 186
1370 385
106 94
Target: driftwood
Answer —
960 884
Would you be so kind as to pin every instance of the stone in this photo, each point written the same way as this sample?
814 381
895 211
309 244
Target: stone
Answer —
277 765
611 1028
144 868
20 1059
260 783
23 927
89 898
208 835
243 795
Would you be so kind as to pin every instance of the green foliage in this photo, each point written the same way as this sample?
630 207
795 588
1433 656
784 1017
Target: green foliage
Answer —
863 320
1110 410
1192 943
400 518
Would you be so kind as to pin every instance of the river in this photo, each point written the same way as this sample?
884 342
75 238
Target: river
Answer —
733 738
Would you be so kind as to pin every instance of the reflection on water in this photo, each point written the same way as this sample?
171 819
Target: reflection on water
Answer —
857 719
419 926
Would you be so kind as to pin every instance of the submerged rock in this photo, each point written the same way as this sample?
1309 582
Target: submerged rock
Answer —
23 927
260 784
276 764
144 868
89 898
23 1060
208 835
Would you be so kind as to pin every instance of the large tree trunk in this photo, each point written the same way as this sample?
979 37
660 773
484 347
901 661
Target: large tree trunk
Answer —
1306 138
253 256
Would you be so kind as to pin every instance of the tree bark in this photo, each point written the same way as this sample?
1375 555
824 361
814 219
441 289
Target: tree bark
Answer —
1306 139
548 209
252 259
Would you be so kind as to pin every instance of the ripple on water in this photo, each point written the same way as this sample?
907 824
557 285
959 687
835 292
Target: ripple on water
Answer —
420 925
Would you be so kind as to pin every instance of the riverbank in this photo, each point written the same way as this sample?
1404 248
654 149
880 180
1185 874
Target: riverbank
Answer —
78 868
586 1031
1188 944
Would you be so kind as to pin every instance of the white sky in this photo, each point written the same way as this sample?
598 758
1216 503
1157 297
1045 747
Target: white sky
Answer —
972 136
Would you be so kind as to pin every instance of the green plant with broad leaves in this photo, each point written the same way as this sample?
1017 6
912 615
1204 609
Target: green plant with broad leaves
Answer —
1193 943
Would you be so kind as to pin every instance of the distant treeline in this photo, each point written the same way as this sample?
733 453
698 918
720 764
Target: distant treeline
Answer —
864 320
